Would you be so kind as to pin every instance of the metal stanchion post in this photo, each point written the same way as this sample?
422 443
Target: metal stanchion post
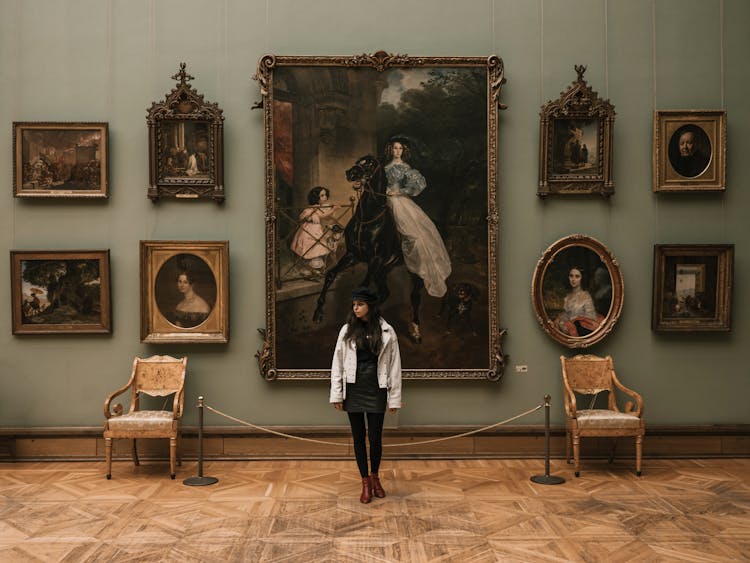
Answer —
547 479
200 480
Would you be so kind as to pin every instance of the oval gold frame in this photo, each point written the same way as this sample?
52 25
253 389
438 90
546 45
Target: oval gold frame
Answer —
537 297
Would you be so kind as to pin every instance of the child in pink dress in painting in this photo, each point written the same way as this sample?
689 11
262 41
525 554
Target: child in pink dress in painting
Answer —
311 240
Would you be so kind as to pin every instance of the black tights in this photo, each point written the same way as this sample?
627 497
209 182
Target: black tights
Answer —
375 433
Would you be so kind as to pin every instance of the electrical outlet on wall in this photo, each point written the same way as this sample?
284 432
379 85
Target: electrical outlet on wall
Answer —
522 368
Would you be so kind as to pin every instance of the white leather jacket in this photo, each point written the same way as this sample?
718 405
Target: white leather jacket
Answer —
344 366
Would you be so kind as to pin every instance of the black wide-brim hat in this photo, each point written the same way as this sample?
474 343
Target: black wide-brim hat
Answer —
364 294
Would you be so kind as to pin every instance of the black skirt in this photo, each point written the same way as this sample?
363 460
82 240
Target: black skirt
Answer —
365 395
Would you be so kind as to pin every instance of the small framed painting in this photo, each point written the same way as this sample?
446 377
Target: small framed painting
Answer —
184 291
60 292
575 142
577 291
60 160
185 145
692 287
690 150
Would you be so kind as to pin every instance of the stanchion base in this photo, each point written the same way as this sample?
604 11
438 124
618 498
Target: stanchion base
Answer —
547 479
200 481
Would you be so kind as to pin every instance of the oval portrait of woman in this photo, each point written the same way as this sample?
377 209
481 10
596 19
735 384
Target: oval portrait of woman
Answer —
577 291
185 290
689 151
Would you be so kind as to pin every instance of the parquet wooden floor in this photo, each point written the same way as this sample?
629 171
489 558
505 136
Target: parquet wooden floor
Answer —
308 511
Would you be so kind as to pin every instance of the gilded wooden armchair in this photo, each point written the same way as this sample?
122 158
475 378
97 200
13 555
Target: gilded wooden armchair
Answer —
591 375
158 376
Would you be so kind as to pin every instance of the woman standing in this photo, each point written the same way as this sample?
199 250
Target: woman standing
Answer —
365 380
422 246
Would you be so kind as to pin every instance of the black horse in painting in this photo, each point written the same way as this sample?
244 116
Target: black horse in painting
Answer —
371 237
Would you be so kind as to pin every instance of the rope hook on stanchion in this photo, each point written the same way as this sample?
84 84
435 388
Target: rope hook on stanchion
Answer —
200 480
547 479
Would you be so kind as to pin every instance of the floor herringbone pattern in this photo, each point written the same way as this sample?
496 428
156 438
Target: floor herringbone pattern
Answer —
308 511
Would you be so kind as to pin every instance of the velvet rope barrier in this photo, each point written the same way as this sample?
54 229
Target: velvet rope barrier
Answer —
302 438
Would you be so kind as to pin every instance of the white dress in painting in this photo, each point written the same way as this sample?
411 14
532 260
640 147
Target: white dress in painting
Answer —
422 245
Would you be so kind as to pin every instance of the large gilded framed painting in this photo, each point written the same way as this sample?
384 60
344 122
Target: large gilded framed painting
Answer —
381 170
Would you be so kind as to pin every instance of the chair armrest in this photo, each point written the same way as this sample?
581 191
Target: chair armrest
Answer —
177 404
569 400
629 404
107 413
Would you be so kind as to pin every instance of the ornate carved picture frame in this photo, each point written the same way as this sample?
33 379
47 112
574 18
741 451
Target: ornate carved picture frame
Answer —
692 287
369 159
60 160
186 156
60 292
575 142
690 150
184 291
577 291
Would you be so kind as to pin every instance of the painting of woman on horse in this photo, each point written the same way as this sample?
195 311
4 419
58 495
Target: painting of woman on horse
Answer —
406 182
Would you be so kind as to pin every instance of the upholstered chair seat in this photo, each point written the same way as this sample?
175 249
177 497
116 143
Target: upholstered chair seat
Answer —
157 376
602 418
590 375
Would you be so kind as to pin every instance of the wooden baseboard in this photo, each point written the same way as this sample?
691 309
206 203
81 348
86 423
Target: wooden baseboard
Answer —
241 443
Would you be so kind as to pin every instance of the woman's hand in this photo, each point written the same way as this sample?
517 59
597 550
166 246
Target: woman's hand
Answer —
338 406
392 410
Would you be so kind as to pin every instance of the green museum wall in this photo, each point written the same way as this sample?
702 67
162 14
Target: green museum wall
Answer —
108 60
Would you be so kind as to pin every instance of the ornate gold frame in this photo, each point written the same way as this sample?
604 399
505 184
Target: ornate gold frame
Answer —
381 61
579 103
156 328
712 126
183 106
712 283
565 251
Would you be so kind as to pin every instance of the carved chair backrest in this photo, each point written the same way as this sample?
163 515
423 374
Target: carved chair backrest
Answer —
589 374
159 376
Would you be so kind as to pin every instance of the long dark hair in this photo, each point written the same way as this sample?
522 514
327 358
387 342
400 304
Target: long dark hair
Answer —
365 332
584 277
405 156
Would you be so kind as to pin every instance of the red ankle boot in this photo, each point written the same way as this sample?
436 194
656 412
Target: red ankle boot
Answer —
366 495
377 488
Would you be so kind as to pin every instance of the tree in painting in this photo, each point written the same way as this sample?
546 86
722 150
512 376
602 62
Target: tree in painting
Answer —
61 291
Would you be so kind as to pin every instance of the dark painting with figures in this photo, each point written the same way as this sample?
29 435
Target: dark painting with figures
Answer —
60 292
576 146
68 160
185 150
690 287
56 292
380 178
60 160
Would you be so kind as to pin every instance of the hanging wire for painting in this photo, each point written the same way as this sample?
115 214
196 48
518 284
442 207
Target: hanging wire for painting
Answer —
402 444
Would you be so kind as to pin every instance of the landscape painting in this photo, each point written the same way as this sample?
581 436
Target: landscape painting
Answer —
60 292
